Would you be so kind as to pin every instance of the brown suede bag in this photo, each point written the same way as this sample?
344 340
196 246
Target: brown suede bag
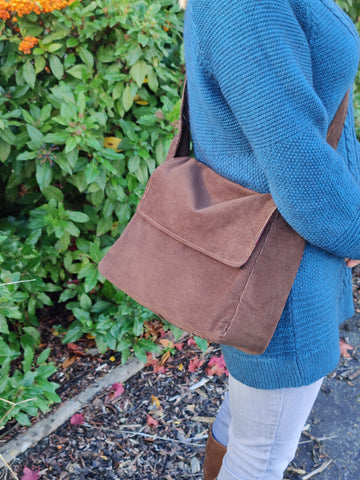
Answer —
206 254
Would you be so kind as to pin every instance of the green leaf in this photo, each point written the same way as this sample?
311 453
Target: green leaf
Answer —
35 136
138 326
153 80
23 419
76 71
70 144
72 229
58 138
138 72
142 173
40 63
57 35
44 355
53 192
91 172
81 102
56 66
148 345
29 74
140 353
44 175
127 99
104 225
28 358
54 47
3 326
5 149
8 136
86 56
73 334
72 42
85 302
201 343
77 216
95 252
67 294
91 278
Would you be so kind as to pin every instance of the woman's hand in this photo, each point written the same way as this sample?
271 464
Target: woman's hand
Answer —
351 263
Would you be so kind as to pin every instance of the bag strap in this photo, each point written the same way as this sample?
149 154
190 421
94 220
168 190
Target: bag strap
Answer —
180 146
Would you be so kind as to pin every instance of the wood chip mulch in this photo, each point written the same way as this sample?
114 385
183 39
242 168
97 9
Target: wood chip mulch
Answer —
155 429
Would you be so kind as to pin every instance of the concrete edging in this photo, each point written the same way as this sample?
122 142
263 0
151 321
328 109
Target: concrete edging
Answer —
52 421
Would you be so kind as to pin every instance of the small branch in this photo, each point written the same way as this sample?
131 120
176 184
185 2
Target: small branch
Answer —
317 440
317 470
164 439
19 281
152 437
13 405
8 466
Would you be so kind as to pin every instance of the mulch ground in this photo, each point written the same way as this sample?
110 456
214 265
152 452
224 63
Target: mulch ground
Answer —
157 428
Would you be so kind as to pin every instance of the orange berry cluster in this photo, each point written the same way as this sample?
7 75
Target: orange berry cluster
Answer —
9 8
27 44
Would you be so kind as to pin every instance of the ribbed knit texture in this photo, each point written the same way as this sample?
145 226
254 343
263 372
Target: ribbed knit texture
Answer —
265 78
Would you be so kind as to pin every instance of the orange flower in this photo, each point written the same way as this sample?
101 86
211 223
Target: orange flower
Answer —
27 44
19 8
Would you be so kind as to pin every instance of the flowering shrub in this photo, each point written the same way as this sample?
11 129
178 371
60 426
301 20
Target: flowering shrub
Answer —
88 97
10 10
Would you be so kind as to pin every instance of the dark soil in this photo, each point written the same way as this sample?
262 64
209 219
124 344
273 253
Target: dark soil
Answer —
116 440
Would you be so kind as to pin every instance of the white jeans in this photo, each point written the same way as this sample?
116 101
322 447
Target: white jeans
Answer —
261 429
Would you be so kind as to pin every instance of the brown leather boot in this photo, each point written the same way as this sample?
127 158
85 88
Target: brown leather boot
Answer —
214 454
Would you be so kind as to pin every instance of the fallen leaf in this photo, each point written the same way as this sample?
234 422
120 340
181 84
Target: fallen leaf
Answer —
118 389
69 361
30 474
113 143
166 343
155 402
179 346
216 366
151 421
191 342
165 357
76 349
344 349
155 327
77 419
194 364
154 362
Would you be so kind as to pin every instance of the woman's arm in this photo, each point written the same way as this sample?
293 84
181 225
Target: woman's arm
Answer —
259 55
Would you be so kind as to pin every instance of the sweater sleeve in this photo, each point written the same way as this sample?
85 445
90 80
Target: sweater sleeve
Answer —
259 55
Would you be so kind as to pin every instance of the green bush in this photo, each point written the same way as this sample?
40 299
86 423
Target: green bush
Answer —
85 119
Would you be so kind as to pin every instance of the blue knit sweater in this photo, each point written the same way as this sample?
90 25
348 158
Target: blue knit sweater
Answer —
265 78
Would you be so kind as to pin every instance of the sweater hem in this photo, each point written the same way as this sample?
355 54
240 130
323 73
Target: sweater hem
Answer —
272 373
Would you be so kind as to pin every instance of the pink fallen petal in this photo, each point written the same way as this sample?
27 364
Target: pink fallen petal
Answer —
118 389
217 366
191 342
151 421
77 419
194 364
30 474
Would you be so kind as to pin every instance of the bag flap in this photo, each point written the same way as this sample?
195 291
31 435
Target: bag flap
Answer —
192 203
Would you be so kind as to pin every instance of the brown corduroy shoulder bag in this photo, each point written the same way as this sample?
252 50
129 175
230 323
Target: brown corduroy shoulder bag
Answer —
206 254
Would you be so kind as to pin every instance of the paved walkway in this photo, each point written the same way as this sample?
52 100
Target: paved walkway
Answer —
336 414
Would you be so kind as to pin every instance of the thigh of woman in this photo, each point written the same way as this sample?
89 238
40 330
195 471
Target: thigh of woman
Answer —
264 430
